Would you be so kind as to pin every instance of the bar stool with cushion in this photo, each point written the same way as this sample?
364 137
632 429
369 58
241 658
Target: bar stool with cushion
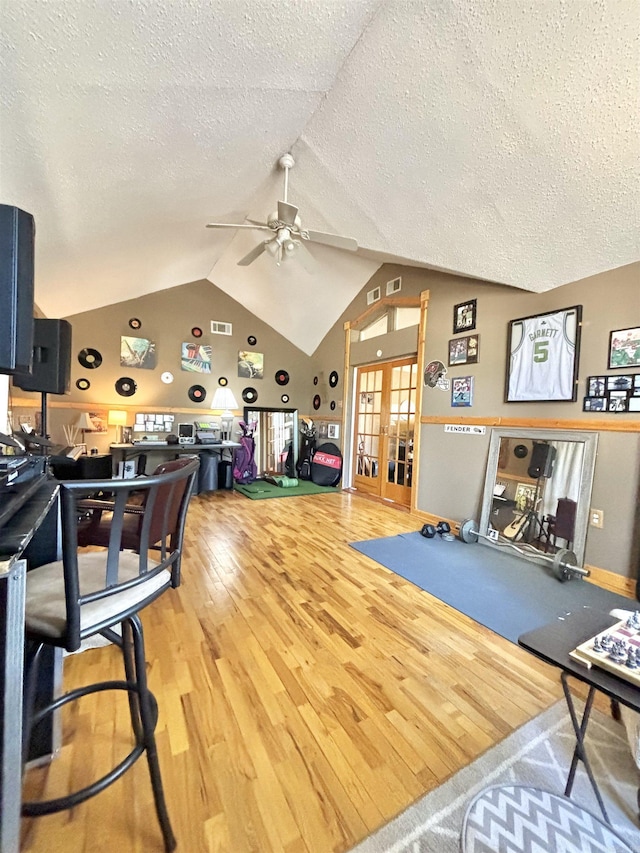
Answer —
522 819
95 526
93 592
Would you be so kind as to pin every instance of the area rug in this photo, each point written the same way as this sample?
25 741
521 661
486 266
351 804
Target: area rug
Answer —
499 589
261 490
537 754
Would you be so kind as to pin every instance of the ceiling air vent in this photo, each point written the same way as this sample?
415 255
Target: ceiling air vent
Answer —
373 296
218 328
394 286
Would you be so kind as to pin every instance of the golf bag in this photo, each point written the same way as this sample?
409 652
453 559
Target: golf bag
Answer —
245 469
307 449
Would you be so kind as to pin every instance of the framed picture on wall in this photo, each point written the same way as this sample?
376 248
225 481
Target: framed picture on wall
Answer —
462 391
542 357
624 348
464 316
464 350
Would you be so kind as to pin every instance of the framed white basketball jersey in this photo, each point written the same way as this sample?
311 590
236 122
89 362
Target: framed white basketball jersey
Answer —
543 356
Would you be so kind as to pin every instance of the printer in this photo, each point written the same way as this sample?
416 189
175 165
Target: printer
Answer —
207 432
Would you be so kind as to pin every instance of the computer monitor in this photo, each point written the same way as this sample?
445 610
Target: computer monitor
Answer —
185 434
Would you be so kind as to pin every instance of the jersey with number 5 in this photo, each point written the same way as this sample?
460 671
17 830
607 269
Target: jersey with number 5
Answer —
542 362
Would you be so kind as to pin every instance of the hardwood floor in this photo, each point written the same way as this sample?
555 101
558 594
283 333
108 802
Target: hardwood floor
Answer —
306 694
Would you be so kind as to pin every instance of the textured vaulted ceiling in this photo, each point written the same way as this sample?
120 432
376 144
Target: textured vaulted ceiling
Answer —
495 138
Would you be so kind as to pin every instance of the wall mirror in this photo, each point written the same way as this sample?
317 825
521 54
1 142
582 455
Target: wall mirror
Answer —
537 490
276 430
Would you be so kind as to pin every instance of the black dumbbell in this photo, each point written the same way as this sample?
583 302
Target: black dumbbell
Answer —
428 531
443 527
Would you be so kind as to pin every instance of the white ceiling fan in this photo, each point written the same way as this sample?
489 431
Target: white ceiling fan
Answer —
289 235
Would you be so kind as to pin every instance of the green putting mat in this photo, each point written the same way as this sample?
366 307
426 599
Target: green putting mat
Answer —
260 490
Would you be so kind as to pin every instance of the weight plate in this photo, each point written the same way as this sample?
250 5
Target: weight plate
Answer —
197 393
90 358
333 378
468 531
167 378
562 563
83 384
316 401
282 377
249 395
126 387
196 332
134 323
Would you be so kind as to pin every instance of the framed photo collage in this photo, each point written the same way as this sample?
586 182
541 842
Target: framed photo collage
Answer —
613 393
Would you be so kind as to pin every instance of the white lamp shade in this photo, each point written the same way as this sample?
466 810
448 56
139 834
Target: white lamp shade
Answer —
224 400
117 417
85 423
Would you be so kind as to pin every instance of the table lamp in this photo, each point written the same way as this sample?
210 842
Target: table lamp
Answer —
117 418
223 399
85 424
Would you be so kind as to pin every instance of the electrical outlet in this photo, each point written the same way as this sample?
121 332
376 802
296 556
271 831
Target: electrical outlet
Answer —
597 518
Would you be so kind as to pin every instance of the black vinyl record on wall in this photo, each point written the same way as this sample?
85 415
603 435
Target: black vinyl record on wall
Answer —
197 393
285 398
83 384
282 377
249 395
135 323
333 378
126 387
316 401
90 358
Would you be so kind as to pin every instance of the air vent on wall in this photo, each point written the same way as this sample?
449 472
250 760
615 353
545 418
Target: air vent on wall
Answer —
218 328
373 296
394 286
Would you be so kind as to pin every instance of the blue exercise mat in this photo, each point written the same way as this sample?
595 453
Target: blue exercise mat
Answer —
501 590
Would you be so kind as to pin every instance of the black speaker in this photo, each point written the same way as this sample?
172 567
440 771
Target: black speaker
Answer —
17 232
51 369
542 459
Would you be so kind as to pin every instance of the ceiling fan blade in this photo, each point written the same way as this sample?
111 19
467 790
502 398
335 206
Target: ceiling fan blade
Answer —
253 254
260 226
255 222
334 240
305 257
287 212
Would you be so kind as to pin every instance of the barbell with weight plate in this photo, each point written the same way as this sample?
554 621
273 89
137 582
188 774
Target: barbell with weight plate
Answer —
564 564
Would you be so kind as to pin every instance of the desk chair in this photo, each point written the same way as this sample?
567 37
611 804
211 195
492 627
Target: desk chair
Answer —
561 525
88 593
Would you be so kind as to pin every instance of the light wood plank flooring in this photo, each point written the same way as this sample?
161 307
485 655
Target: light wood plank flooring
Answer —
307 695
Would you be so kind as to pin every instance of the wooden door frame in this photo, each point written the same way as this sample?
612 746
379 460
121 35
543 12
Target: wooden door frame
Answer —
349 372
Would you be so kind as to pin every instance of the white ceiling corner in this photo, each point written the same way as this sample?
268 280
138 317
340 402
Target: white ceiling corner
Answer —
498 140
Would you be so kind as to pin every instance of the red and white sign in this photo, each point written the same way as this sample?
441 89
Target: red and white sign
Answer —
327 459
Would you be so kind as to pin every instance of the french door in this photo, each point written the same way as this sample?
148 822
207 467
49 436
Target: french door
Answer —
384 429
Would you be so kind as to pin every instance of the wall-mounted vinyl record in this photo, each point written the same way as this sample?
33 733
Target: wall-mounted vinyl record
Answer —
249 395
223 381
333 378
332 405
134 323
315 380
126 387
252 340
83 384
285 398
316 401
196 332
197 393
167 378
282 377
89 358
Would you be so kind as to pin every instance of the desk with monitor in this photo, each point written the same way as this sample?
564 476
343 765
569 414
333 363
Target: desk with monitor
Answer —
156 452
